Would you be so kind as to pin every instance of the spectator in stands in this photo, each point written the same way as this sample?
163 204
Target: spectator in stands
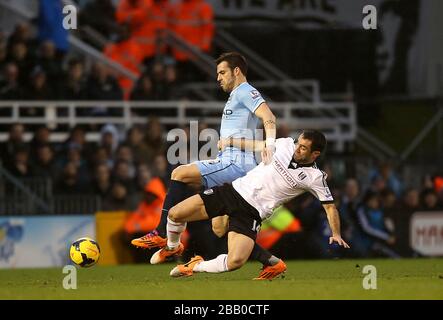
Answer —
109 139
20 166
118 199
13 144
77 139
74 85
384 174
134 139
147 20
22 33
44 165
161 168
38 89
102 85
402 218
124 153
349 203
143 176
101 184
154 137
192 21
126 52
50 24
69 183
3 54
429 200
280 234
389 204
47 59
158 79
143 90
19 56
41 138
122 174
100 16
172 91
74 155
159 17
101 156
10 88
147 215
374 234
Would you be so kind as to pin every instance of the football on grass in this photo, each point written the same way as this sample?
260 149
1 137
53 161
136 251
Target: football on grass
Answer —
84 252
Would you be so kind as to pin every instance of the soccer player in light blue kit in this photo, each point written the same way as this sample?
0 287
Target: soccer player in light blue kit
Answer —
241 115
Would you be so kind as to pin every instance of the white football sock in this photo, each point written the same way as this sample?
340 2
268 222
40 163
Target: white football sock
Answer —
174 231
217 265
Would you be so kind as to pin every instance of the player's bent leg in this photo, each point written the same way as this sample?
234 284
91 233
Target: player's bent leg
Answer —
220 225
239 249
191 209
179 189
187 173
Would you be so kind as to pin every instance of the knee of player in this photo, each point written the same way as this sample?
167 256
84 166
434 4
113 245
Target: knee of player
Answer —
174 214
235 263
219 231
178 173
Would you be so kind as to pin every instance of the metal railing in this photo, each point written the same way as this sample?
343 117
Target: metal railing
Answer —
34 196
339 128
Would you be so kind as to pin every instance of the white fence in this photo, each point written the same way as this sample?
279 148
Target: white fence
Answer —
336 119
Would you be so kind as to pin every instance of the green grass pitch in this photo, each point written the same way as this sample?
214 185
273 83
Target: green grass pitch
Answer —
311 279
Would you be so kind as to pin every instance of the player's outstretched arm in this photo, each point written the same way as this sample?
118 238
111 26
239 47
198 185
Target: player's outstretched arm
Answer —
243 144
334 224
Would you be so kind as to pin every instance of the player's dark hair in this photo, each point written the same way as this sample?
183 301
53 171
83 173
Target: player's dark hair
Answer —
317 139
234 60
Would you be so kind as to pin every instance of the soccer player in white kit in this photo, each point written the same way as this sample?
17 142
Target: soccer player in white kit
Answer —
250 199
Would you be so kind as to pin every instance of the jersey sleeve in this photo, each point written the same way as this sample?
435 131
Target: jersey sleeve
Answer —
251 98
320 190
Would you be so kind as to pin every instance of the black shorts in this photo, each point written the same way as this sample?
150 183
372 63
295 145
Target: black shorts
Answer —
243 218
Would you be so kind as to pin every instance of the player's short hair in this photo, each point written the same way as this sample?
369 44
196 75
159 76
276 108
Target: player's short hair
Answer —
234 60
318 140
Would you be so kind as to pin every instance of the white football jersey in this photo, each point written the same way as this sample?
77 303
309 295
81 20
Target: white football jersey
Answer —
268 186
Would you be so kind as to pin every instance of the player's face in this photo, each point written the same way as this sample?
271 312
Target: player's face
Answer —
303 153
225 76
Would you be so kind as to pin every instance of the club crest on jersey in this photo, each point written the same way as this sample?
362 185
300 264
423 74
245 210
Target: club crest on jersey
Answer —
208 192
254 94
302 175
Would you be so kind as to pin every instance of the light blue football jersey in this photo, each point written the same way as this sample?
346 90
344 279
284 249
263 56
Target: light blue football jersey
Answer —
239 119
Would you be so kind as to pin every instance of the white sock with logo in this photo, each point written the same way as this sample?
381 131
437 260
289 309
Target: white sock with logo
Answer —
217 265
174 231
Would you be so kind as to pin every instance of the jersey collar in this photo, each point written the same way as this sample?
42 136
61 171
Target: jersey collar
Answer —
295 165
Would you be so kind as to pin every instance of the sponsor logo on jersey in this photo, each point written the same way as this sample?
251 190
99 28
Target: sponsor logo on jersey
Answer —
254 94
284 173
208 192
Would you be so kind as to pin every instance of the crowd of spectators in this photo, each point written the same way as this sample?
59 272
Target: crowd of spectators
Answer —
116 168
36 64
34 71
